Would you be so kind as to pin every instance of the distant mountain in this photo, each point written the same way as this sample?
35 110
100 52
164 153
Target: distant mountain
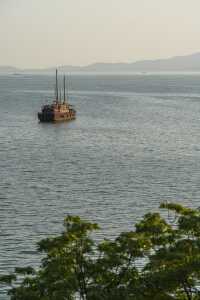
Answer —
8 69
187 63
178 63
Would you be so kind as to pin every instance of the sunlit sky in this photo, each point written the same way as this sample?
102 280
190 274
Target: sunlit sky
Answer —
45 33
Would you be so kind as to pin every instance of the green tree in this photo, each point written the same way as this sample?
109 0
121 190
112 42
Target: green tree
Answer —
173 268
158 260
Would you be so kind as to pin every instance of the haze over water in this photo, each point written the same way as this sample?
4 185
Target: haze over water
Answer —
135 143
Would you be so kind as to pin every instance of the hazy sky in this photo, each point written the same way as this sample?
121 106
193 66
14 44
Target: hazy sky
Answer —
42 33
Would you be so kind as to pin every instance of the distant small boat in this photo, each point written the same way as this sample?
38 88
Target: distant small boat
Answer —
59 110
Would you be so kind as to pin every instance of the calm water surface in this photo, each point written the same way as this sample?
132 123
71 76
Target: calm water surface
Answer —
135 143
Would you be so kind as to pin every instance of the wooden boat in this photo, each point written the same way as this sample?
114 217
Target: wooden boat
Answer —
59 110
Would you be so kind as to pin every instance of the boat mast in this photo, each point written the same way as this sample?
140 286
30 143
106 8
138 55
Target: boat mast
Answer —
67 87
60 95
55 91
64 90
56 86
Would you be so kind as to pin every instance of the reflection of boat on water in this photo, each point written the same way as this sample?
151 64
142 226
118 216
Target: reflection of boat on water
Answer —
59 110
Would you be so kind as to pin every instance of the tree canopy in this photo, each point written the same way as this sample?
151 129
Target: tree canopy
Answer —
158 260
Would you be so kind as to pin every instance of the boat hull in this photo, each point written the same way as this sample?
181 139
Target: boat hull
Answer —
56 116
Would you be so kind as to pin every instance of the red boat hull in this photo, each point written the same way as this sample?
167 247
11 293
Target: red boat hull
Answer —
56 116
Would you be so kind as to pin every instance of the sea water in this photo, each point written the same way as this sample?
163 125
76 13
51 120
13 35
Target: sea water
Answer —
134 144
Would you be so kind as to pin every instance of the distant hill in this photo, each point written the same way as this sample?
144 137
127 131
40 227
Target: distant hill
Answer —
187 63
8 69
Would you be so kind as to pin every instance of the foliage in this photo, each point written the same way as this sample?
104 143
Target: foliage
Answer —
159 260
